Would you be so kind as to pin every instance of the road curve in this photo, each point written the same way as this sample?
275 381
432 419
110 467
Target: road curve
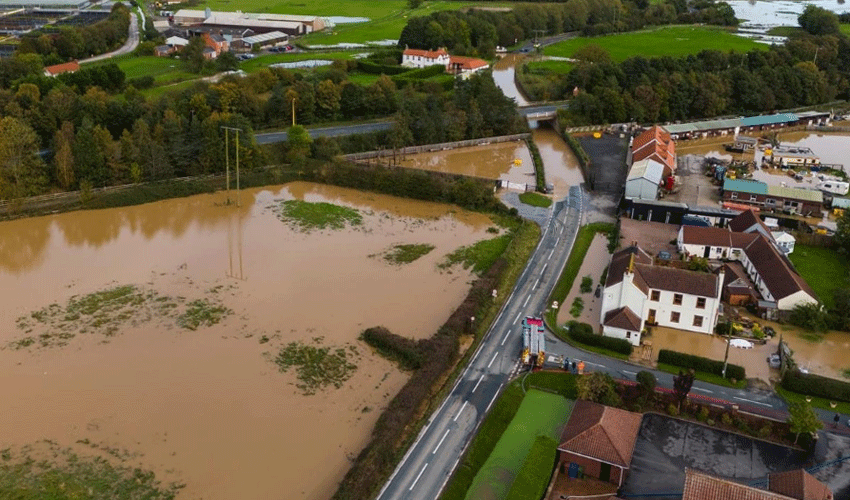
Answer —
129 46
360 128
430 461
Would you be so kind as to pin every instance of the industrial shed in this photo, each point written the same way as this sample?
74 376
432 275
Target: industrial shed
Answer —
643 180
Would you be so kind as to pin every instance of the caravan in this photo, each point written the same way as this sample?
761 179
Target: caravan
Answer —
835 187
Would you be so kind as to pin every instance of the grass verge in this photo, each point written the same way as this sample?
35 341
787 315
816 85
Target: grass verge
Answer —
705 377
496 422
565 283
535 200
824 270
533 478
842 407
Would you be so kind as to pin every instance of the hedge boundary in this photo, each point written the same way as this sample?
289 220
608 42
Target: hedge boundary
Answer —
539 171
578 150
533 478
583 334
701 364
810 384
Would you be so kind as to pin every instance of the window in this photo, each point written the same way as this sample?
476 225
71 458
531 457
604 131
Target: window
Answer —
656 296
753 197
770 201
698 321
734 196
677 299
674 317
628 335
700 302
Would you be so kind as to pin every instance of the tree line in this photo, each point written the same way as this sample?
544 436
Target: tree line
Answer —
478 32
708 84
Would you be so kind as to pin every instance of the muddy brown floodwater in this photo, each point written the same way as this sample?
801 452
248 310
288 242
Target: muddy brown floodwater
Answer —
503 74
489 161
207 407
562 168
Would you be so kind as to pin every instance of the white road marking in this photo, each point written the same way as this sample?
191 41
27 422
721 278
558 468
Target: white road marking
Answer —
491 361
417 478
506 337
754 402
526 300
536 283
476 384
556 241
703 390
441 442
544 268
492 400
630 373
550 255
459 412
499 317
517 317
594 364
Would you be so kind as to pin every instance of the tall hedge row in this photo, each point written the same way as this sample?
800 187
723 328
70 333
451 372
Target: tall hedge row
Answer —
583 333
533 478
404 351
816 385
701 364
380 69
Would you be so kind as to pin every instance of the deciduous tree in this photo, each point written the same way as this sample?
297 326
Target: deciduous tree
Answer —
803 419
21 169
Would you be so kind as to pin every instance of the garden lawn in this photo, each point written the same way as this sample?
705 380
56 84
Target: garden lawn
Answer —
666 41
540 414
823 269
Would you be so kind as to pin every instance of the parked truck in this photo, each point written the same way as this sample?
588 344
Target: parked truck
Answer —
533 342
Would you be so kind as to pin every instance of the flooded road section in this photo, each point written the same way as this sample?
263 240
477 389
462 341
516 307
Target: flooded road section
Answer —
503 74
207 407
489 161
562 168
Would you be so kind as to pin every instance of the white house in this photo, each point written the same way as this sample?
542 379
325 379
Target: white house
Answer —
784 241
764 260
415 58
638 293
643 180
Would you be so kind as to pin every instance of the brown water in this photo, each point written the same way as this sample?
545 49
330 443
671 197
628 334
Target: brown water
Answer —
831 148
206 407
562 168
503 75
490 161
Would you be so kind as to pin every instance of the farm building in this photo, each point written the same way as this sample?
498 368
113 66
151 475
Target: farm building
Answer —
792 156
785 199
58 69
600 439
269 39
767 122
643 180
655 144
259 23
46 4
727 126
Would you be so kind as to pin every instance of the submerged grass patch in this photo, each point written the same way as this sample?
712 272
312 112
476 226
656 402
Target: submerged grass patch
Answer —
106 312
535 199
56 473
307 216
407 253
479 256
316 366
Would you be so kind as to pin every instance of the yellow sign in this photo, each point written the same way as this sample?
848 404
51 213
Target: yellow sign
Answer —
597 135
518 162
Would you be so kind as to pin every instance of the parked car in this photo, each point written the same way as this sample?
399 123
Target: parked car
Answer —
774 361
289 48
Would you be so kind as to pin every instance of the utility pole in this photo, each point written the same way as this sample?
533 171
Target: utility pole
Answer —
227 131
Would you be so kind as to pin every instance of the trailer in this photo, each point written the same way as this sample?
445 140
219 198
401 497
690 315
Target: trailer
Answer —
533 342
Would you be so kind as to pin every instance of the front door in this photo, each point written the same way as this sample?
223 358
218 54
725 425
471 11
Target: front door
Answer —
706 252
605 472
651 318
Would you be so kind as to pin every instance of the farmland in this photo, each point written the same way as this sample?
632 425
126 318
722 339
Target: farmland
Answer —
821 268
668 41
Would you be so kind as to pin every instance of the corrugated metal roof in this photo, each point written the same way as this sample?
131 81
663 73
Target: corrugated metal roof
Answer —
745 186
752 121
650 170
681 128
265 37
840 202
794 193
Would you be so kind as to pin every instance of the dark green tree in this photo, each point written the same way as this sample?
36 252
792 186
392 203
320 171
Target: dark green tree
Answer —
819 21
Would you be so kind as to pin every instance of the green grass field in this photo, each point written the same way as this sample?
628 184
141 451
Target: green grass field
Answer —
823 269
262 61
557 67
540 414
164 70
667 41
533 478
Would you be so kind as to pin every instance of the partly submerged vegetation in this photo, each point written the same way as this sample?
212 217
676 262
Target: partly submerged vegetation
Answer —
106 312
309 216
407 253
316 366
49 472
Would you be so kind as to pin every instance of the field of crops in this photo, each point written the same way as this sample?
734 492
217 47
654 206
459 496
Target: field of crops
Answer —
667 41
540 414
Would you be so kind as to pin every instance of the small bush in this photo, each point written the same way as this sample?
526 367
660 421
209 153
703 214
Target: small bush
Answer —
710 422
672 410
702 416
586 284
701 364
583 334
726 419
577 307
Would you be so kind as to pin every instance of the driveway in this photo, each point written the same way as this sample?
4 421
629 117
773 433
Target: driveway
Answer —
666 446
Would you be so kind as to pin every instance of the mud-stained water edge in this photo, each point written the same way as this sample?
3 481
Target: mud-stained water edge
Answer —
208 407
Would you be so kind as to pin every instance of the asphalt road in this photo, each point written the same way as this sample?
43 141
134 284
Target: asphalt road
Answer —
129 46
361 128
429 462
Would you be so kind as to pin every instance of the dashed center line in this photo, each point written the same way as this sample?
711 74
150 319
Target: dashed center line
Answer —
526 300
703 390
506 337
441 442
459 412
477 383
754 402
517 317
417 478
491 361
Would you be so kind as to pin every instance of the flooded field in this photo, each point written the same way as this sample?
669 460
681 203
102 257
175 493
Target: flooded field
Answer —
562 168
180 373
831 148
490 161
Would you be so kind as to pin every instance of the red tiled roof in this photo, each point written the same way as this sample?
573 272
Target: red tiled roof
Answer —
655 141
430 54
622 317
678 280
699 486
58 69
601 432
467 62
798 484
